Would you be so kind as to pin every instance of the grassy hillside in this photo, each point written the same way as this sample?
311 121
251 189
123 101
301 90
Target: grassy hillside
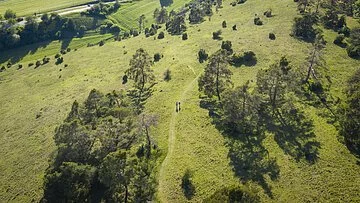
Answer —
29 7
35 101
126 17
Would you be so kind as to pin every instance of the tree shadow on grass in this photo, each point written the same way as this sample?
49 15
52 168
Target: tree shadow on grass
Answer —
65 43
187 185
165 3
17 54
296 136
249 159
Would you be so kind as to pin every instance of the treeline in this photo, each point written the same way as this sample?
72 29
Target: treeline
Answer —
332 15
51 27
105 151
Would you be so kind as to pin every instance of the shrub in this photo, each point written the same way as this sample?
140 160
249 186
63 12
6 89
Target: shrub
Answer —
303 27
101 43
339 40
354 48
161 35
38 63
30 64
135 33
125 79
2 69
68 49
20 66
157 57
224 24
234 27
257 21
241 1
227 46
345 31
167 75
46 60
272 36
63 51
216 35
57 55
59 60
184 36
249 56
9 64
268 13
203 56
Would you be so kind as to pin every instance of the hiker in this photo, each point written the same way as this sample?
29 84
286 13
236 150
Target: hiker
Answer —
176 106
179 106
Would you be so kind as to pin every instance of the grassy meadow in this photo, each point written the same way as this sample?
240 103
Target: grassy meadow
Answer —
35 101
29 7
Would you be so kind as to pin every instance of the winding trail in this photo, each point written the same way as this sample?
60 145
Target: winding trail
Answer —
171 143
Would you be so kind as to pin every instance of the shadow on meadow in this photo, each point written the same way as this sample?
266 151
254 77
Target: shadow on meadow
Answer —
249 159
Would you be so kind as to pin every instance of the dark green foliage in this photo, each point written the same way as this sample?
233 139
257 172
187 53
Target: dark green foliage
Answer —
46 60
339 40
57 55
72 182
20 66
345 31
234 27
176 24
167 75
350 119
247 58
303 27
9 64
38 63
217 75
187 185
268 13
102 43
258 21
30 64
161 35
157 57
272 36
2 69
202 55
59 60
224 24
198 10
232 195
9 14
102 9
94 159
353 49
217 35
184 36
226 45
161 16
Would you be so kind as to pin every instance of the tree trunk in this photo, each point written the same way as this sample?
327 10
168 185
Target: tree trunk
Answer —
217 82
126 194
310 66
149 142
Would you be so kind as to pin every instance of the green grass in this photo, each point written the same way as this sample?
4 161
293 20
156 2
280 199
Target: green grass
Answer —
195 144
127 16
29 7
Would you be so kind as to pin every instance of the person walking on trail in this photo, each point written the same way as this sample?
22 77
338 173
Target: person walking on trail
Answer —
179 106
176 106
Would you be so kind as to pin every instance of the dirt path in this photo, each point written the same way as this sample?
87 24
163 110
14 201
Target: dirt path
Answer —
171 143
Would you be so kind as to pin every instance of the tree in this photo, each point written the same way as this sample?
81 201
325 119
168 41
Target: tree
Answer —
176 25
116 173
140 71
274 83
354 48
217 75
141 22
72 182
9 14
303 27
350 121
146 122
161 16
315 58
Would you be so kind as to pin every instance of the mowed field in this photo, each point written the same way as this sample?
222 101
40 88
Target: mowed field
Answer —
35 101
29 7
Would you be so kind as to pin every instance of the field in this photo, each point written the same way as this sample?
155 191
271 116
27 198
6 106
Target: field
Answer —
126 17
29 7
35 101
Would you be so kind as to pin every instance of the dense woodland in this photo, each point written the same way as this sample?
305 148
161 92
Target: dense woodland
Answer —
105 147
